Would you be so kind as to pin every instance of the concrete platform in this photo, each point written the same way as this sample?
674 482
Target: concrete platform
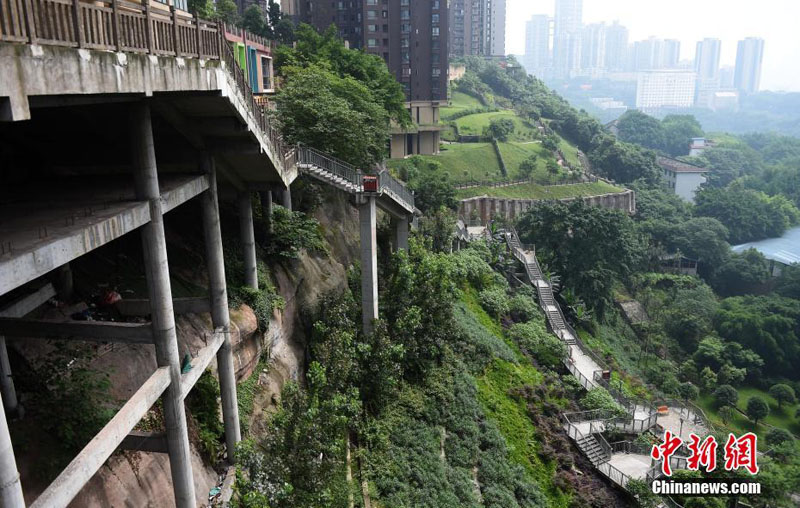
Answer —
632 464
46 227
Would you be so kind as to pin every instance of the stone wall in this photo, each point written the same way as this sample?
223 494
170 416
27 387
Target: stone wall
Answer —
486 208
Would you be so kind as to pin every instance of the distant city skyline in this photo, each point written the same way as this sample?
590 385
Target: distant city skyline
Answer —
689 22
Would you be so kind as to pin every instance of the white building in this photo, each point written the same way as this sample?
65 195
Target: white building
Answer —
537 44
683 178
497 27
664 88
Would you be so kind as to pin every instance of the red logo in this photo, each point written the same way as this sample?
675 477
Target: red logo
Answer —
739 452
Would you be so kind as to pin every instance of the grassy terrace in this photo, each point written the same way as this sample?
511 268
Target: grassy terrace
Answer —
473 125
783 418
514 153
459 102
536 191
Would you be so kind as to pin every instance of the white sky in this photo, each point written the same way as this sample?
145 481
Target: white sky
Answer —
775 21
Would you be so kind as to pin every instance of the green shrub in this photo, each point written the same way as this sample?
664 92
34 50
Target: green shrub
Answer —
522 307
291 232
599 398
534 339
494 301
203 404
470 266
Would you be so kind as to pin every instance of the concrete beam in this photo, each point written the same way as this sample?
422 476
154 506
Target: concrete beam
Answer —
36 258
83 467
201 362
174 195
95 331
28 303
369 263
155 442
141 307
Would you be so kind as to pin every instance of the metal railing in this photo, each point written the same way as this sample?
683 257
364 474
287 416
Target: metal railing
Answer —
390 185
309 156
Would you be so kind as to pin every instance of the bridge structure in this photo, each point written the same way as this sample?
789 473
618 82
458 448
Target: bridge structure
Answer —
623 460
112 115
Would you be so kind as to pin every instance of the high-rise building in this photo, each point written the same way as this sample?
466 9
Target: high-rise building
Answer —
593 47
537 44
467 27
726 76
665 88
749 57
566 37
477 27
706 60
616 47
670 54
497 28
706 65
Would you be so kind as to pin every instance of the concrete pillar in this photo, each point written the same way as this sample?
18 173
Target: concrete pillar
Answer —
10 402
286 198
219 308
369 263
10 486
400 233
160 293
266 206
64 283
247 238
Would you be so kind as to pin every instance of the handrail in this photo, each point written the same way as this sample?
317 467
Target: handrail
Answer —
308 155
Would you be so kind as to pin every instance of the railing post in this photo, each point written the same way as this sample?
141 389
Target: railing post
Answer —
199 35
148 27
174 18
115 25
30 21
78 21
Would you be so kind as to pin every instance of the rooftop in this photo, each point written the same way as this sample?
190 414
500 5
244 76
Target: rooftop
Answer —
785 250
677 166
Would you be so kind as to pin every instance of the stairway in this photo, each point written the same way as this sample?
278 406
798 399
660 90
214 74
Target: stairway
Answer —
329 178
592 449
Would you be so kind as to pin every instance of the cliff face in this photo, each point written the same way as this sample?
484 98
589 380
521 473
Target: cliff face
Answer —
143 479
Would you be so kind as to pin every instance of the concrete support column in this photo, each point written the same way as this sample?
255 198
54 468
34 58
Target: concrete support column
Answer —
160 293
219 308
286 197
10 486
266 205
400 233
10 402
248 239
64 283
369 263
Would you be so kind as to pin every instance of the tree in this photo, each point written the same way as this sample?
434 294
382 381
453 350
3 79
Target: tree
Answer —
731 375
778 436
688 391
327 50
726 413
708 379
254 21
783 393
228 11
725 395
553 168
204 9
644 130
591 247
528 166
431 185
500 129
624 162
678 133
338 115
550 143
757 409
741 273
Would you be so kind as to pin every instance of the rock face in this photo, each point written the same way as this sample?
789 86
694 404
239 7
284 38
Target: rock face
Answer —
143 479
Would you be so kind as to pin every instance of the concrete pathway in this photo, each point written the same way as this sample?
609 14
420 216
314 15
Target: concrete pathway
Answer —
672 422
632 464
584 363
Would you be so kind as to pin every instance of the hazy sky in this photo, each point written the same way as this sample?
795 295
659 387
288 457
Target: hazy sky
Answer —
775 21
